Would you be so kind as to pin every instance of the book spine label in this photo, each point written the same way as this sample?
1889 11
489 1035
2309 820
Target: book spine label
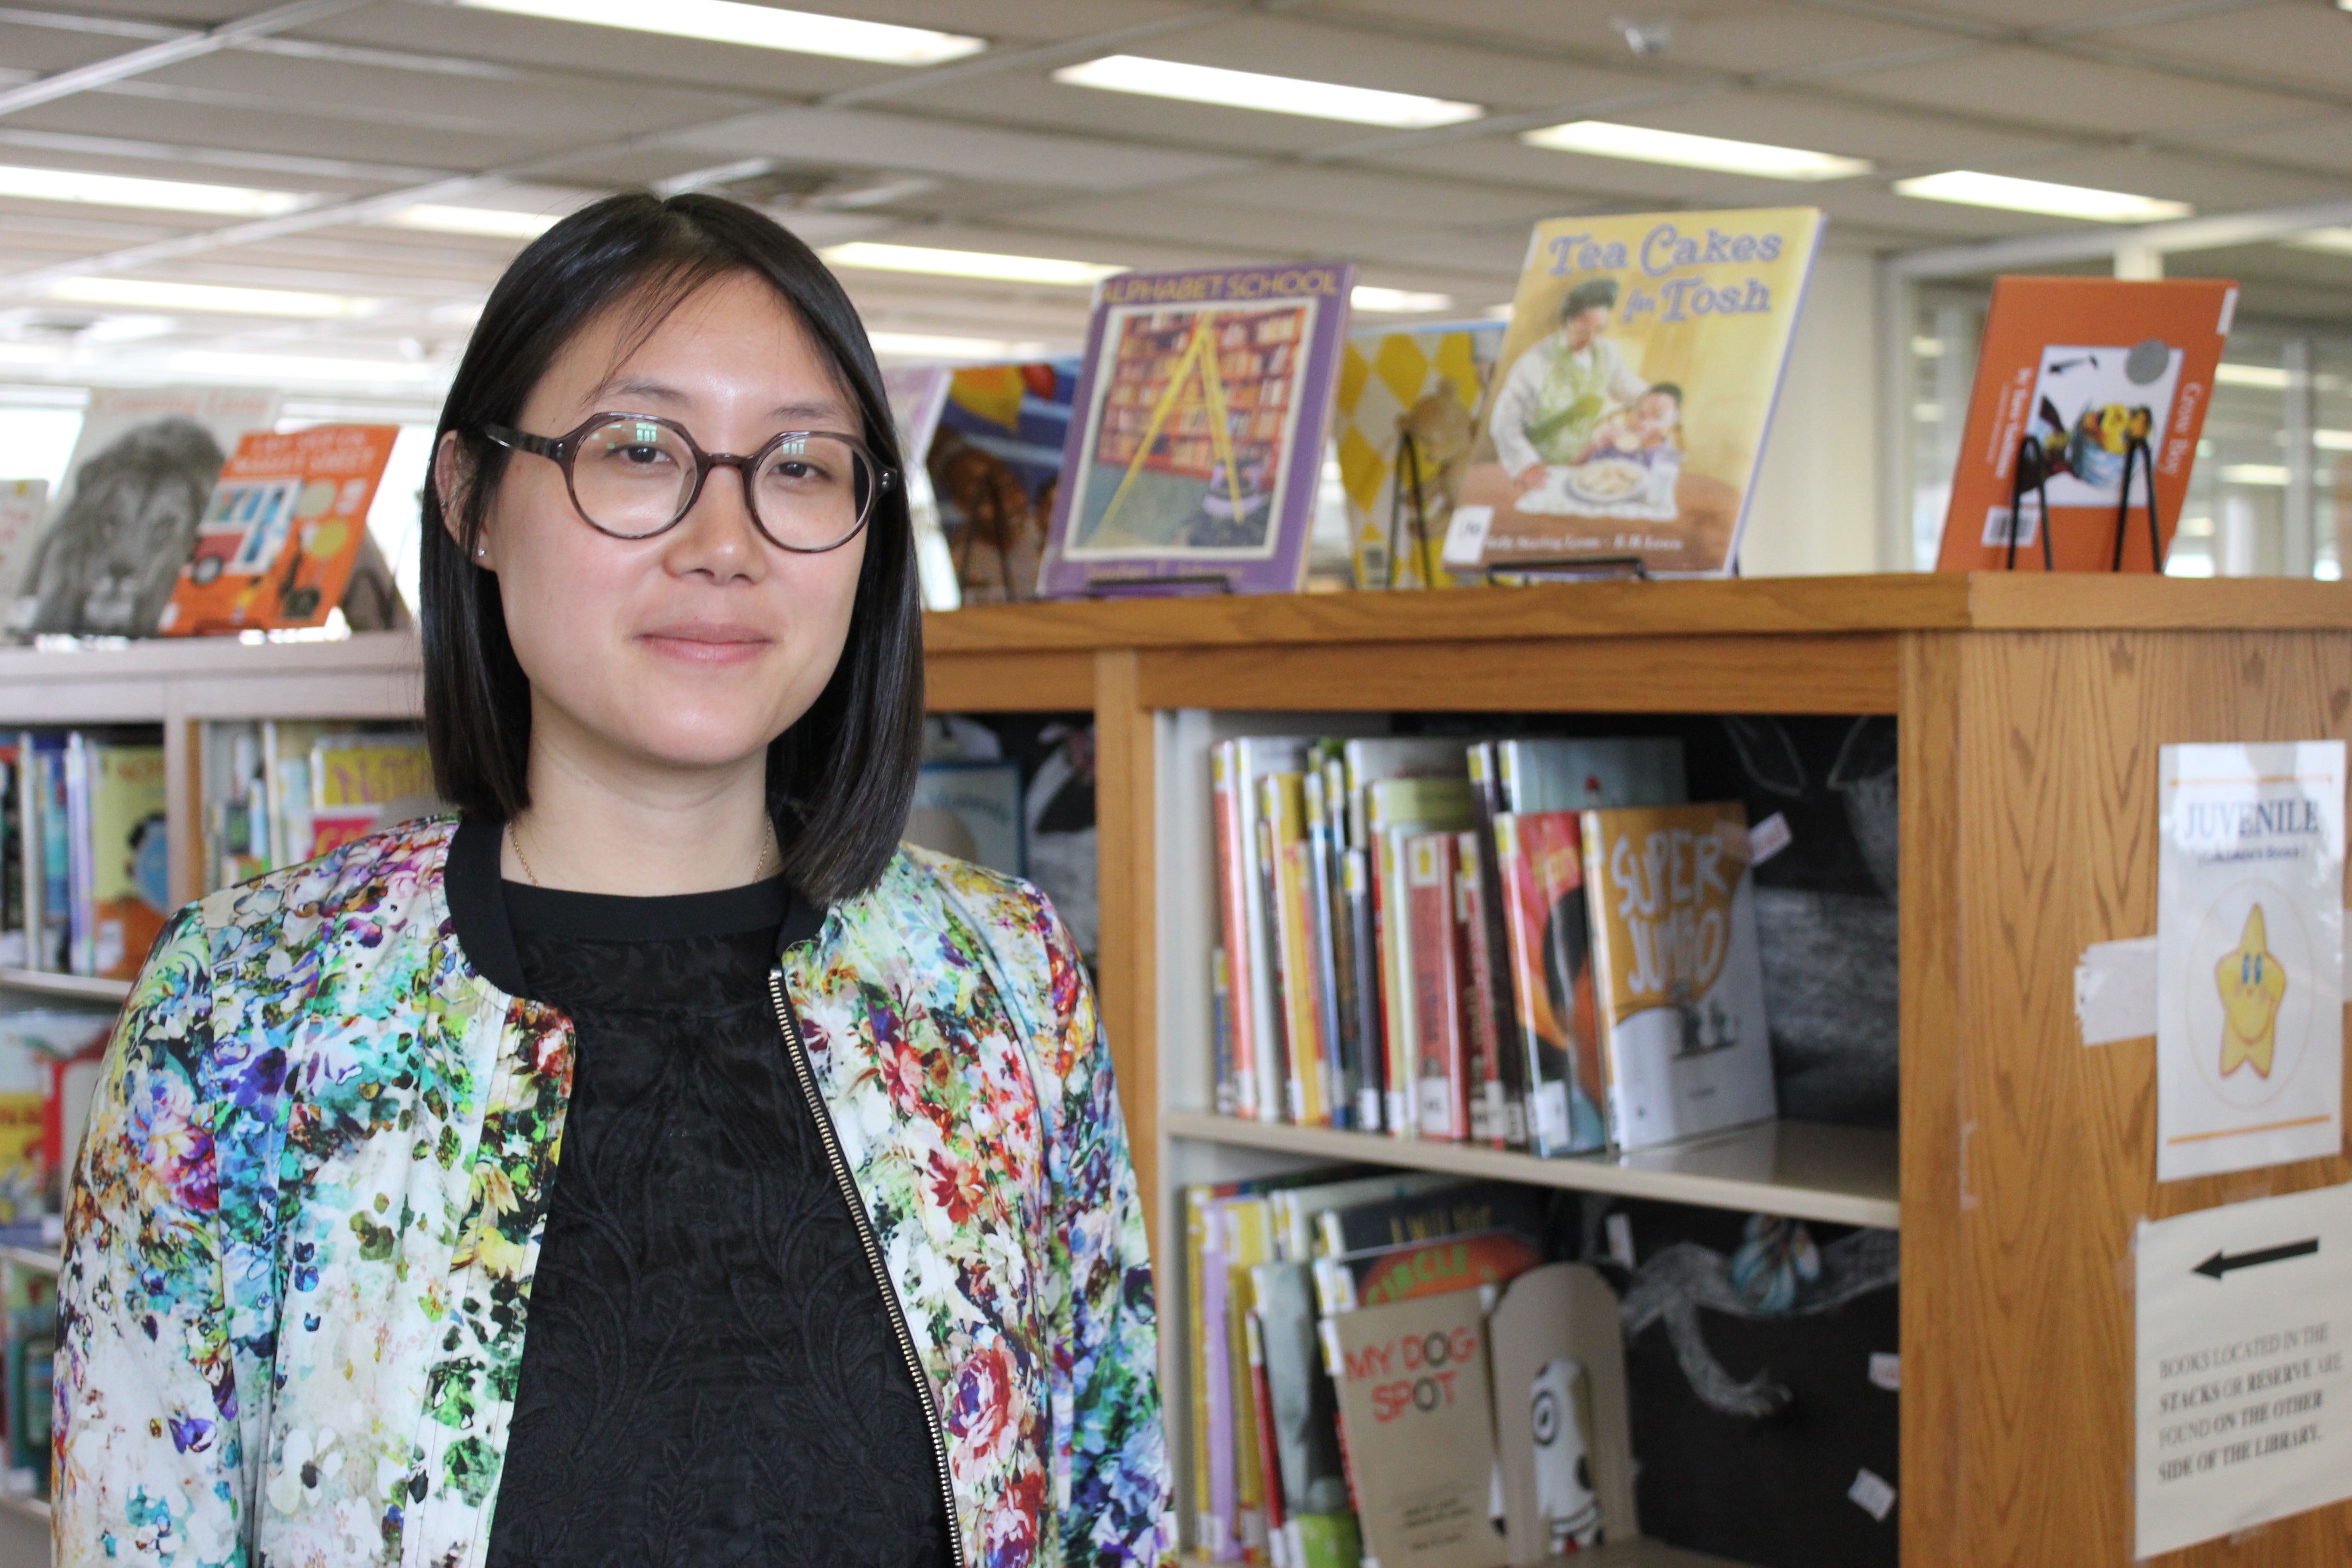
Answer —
1442 1070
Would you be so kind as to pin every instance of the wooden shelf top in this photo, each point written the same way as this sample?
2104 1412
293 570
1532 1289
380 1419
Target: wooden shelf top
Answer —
1917 601
1805 1170
185 659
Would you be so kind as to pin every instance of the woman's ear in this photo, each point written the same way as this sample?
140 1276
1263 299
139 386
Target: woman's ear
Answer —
452 482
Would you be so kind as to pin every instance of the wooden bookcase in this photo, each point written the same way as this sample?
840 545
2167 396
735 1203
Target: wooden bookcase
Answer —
2029 711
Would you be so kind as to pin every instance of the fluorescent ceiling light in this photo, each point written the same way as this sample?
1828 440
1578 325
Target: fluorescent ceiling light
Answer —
1969 188
149 295
1367 297
762 26
873 257
494 223
2332 440
1279 94
1602 139
2252 474
2269 375
123 191
297 369
2337 241
941 346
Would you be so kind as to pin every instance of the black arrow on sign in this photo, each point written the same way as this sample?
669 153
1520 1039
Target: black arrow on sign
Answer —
2220 1263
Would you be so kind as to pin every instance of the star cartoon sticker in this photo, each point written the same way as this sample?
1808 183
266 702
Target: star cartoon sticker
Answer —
2253 983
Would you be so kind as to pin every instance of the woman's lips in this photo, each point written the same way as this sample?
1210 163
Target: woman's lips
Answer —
707 645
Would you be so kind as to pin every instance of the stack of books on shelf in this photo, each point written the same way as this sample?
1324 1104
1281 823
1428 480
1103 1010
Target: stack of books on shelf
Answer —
84 864
1536 944
281 792
1385 1368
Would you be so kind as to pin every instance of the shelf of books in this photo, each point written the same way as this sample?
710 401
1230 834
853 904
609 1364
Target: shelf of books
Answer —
1657 995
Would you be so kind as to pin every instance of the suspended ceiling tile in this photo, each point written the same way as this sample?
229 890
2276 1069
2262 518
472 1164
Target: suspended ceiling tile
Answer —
1034 102
1822 120
1417 200
2306 44
873 139
2319 141
1186 219
2030 87
320 135
1779 37
1584 25
1490 76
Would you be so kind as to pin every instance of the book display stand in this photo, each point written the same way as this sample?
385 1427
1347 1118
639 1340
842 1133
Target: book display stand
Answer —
2032 473
2029 709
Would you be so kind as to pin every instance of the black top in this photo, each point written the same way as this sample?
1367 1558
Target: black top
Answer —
710 1373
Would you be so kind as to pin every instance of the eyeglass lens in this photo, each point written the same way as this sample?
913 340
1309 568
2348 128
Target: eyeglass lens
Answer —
634 477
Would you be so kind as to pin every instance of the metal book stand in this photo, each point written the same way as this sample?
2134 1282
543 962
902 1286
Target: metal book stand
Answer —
2033 471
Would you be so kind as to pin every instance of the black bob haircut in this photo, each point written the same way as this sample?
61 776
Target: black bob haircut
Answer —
840 780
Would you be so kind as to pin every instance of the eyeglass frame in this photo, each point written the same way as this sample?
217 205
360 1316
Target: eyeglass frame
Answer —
562 449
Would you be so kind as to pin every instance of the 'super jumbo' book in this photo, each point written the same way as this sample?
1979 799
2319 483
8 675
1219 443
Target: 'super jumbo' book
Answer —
1678 980
282 530
1197 441
2082 369
1539 861
1634 389
1235 768
1412 1388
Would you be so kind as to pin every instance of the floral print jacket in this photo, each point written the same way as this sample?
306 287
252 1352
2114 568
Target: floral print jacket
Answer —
301 1238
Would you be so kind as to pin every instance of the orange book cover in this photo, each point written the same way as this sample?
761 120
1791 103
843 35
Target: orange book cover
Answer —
282 530
2081 366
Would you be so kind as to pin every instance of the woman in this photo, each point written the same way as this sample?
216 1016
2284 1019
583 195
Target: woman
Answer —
842 1260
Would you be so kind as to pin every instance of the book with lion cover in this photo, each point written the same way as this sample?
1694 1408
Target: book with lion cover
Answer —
282 531
1634 392
1678 977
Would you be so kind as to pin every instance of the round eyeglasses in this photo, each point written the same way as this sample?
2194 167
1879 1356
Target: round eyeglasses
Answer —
633 475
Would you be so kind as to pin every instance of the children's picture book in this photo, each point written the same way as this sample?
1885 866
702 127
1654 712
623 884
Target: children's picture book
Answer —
2250 956
1203 401
278 538
1441 1076
358 783
972 810
1547 942
1634 392
2077 376
1678 978
1412 1392
995 464
1318 1521
130 859
1402 425
110 547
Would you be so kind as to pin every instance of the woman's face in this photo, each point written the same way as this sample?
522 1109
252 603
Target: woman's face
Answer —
692 649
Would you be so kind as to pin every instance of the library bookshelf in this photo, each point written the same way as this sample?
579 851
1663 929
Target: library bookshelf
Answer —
2028 709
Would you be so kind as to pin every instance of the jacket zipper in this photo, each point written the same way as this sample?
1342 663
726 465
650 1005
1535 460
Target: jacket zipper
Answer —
850 1196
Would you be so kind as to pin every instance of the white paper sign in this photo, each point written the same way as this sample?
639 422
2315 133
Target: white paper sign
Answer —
2250 956
2245 1410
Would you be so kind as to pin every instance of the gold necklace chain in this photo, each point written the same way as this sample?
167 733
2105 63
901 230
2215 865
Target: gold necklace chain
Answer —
770 853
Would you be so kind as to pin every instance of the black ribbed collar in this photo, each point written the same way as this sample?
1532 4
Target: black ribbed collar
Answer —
485 925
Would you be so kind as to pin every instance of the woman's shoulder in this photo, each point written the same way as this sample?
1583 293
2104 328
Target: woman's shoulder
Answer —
919 880
389 878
